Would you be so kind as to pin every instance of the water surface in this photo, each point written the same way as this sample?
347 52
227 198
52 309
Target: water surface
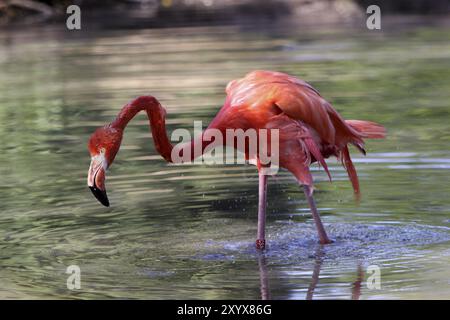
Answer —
188 232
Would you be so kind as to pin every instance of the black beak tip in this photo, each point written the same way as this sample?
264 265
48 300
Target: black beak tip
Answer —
100 195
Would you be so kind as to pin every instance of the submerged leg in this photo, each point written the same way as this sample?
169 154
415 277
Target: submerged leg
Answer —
323 238
261 235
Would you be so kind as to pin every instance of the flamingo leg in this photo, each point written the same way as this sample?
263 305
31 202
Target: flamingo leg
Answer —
262 202
323 238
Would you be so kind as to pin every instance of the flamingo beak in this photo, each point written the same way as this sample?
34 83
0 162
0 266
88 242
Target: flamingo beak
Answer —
96 179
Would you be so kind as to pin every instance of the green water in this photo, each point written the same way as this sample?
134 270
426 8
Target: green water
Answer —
188 232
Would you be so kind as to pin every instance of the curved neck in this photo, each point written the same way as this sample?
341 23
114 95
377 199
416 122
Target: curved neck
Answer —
157 117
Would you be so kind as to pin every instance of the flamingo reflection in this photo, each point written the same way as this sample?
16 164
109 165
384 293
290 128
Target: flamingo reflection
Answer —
318 262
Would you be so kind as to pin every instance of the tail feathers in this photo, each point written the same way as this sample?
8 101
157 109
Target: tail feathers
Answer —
348 164
315 151
367 129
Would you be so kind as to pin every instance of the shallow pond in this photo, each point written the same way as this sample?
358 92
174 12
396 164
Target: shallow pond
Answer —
188 231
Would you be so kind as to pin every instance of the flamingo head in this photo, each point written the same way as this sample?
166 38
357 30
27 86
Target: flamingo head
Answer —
103 146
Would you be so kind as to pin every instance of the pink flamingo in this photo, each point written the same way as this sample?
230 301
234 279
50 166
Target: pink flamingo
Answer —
310 130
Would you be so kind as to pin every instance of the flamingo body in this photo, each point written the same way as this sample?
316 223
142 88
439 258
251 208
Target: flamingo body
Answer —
310 128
